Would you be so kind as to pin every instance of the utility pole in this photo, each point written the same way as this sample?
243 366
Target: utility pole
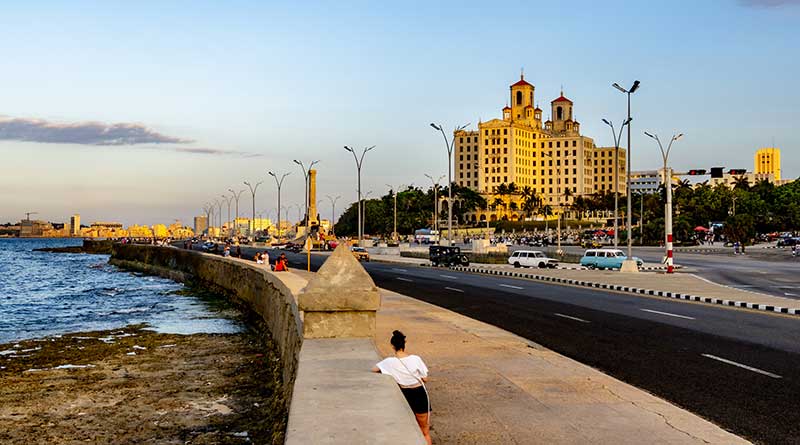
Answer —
616 176
236 196
449 146
333 211
435 183
394 190
279 184
359 163
253 192
228 199
629 265
668 206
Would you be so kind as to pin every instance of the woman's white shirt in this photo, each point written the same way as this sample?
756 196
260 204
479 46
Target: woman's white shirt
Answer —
406 371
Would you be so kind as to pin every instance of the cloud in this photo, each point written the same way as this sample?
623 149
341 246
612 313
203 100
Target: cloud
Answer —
82 133
768 3
216 151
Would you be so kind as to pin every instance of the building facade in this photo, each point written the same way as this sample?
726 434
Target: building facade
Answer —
200 224
768 161
75 225
551 156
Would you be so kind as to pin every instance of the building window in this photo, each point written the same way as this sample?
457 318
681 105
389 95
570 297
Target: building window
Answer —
519 97
460 157
486 141
505 140
549 145
574 144
505 131
505 150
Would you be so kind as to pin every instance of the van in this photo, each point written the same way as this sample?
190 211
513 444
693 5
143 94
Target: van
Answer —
531 258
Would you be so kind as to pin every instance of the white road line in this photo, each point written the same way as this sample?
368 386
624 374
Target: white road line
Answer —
571 318
448 276
741 285
404 279
667 314
749 368
510 286
454 289
399 270
789 294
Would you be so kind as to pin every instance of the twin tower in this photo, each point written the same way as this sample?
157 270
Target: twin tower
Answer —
522 110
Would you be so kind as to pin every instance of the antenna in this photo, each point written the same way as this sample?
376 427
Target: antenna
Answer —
28 215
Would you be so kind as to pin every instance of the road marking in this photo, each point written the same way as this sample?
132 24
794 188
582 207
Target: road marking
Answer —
668 314
789 294
741 285
454 289
749 368
399 270
448 276
404 279
571 318
510 286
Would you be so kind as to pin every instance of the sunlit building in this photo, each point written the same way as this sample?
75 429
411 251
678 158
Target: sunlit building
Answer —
767 161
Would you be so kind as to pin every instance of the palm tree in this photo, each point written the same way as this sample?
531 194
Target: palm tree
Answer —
741 183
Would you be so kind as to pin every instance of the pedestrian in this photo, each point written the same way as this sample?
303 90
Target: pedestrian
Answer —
238 251
410 373
258 258
265 257
281 264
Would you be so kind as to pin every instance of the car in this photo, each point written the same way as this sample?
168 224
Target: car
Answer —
447 256
606 259
591 243
360 253
787 242
531 258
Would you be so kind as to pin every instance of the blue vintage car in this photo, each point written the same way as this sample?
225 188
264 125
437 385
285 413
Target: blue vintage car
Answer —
606 259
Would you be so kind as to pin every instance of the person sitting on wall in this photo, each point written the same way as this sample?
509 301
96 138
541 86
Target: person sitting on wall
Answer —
281 264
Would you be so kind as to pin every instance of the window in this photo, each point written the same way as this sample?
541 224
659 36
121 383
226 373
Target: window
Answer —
590 253
505 169
574 144
559 113
558 144
486 141
505 140
550 145
486 170
461 157
505 150
574 152
461 140
505 131
519 97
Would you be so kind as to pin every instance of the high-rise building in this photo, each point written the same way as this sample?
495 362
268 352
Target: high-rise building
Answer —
551 157
768 160
75 225
200 224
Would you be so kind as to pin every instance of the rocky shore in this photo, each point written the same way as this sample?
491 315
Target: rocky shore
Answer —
132 385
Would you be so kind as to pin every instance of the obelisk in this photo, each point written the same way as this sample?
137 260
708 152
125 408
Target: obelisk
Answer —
312 199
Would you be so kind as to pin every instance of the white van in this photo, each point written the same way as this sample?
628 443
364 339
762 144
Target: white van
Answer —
531 258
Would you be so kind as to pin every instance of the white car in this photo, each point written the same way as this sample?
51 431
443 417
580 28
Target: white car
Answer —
531 258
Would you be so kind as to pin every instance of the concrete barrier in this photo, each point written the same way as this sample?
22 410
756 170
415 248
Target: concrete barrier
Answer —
325 341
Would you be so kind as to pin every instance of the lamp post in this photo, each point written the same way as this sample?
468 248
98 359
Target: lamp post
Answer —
394 190
616 175
629 265
236 196
228 199
449 146
219 213
209 210
668 205
333 210
359 163
558 202
305 176
279 184
253 190
435 183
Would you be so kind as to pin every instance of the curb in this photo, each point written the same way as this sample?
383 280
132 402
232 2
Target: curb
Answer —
635 290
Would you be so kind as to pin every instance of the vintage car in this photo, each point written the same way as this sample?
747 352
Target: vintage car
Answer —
447 256
606 259
531 258
360 253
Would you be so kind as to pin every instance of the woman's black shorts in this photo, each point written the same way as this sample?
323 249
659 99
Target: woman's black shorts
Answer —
417 399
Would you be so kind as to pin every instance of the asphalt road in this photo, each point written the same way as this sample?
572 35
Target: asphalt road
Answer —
739 369
772 272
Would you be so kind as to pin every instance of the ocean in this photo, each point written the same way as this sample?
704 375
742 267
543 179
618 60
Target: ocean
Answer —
45 294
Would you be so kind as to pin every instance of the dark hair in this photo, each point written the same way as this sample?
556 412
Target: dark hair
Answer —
398 341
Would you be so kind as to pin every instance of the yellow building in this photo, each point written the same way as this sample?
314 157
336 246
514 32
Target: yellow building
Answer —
768 161
551 157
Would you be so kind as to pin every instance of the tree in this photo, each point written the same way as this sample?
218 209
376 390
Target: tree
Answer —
740 228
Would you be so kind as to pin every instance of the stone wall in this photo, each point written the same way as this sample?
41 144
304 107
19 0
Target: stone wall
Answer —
267 294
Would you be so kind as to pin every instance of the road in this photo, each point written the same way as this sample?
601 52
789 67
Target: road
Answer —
737 368
771 272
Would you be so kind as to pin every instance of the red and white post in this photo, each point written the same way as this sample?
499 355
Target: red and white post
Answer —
668 216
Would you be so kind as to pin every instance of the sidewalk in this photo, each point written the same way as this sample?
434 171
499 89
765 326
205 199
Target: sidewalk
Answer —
682 286
489 386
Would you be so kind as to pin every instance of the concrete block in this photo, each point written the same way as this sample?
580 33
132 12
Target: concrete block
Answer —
339 324
341 284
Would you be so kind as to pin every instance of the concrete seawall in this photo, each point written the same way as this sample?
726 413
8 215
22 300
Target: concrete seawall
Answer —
326 359
266 294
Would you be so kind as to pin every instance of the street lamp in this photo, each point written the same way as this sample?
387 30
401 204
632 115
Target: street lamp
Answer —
435 183
449 146
333 210
253 190
228 199
359 163
668 205
558 202
279 184
616 176
219 213
209 210
629 265
305 175
236 196
393 189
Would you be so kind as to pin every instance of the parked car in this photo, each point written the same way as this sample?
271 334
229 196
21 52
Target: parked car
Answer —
606 259
360 253
531 258
591 243
447 256
787 242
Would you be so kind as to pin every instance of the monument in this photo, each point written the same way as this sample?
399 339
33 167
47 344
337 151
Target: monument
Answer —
313 214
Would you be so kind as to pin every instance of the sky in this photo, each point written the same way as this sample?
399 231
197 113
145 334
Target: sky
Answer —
142 112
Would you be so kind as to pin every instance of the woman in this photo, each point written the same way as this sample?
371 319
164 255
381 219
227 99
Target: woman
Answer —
281 264
410 372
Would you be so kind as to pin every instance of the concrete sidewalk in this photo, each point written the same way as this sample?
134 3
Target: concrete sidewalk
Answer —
489 386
